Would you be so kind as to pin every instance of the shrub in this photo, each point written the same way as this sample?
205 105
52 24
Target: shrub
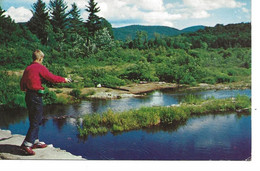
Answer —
19 100
10 94
222 78
62 100
243 101
209 80
76 93
117 128
109 81
164 72
141 71
104 77
88 82
58 91
49 97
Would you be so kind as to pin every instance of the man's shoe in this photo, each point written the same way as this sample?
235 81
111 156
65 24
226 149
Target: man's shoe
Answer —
27 150
39 145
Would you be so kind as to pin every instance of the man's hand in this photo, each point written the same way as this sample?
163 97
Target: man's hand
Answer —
68 80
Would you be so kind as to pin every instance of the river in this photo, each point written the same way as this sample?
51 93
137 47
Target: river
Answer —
209 137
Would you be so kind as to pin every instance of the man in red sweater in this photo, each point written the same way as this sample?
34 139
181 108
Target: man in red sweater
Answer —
31 83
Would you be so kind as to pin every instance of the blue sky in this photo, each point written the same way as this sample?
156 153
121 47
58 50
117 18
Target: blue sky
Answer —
174 13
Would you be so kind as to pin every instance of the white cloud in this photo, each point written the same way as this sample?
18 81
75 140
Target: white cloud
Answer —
20 14
245 10
160 18
200 14
200 8
145 12
150 5
156 12
212 4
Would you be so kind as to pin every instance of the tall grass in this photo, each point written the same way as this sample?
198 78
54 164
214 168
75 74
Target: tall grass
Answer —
152 116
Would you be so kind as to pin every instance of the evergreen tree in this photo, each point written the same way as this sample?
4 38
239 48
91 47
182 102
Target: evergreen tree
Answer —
2 16
75 13
5 21
75 21
94 21
39 23
77 33
59 19
4 24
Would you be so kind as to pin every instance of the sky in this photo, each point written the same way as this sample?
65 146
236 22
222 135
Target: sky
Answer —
173 13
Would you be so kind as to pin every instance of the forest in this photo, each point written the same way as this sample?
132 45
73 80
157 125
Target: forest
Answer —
88 51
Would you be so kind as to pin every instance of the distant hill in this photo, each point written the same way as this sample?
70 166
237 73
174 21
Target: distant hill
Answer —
122 33
192 29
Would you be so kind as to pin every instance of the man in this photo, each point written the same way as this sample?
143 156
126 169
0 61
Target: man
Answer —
31 83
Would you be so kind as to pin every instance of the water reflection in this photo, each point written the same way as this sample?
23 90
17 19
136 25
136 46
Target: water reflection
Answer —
11 117
59 123
218 94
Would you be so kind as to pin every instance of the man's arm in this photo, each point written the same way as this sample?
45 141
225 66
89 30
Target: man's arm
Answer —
46 74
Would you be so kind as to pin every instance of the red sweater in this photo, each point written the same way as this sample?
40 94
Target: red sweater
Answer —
33 74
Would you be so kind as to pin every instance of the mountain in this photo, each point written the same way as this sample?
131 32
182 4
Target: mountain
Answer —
122 33
192 29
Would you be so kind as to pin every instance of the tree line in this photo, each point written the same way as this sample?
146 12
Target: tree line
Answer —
220 36
55 27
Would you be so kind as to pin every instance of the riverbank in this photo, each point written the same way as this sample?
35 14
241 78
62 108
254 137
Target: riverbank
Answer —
10 149
146 117
140 89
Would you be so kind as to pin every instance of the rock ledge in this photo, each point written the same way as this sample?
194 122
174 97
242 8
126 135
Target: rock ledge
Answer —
10 149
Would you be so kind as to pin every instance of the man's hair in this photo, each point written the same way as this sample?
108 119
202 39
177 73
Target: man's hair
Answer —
37 54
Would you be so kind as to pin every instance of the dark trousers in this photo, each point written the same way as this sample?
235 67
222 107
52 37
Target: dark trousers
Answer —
35 109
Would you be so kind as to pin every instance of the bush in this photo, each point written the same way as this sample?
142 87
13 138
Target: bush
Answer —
109 81
242 101
49 97
88 82
105 77
10 94
223 78
209 80
117 128
57 69
164 72
143 71
76 93
62 100
58 91
15 57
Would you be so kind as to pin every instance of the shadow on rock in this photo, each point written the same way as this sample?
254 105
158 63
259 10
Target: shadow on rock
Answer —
11 149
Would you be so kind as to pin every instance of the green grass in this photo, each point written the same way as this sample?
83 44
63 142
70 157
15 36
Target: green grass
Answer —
151 116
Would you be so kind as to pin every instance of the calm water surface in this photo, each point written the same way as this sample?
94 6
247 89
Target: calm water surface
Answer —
209 137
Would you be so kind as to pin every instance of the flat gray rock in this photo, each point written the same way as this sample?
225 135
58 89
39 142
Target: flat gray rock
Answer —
5 134
10 150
